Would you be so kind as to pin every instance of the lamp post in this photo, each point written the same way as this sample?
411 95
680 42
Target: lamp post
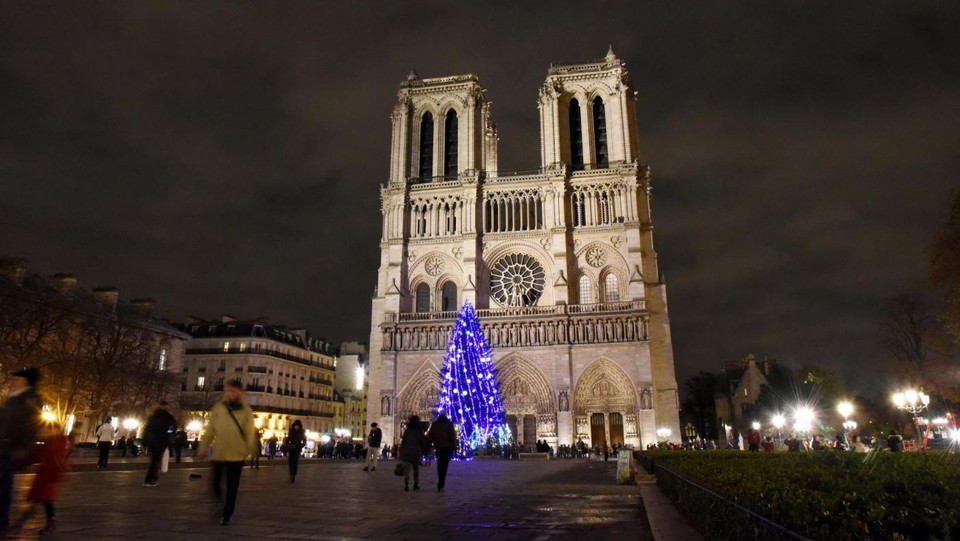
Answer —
913 401
845 409
778 421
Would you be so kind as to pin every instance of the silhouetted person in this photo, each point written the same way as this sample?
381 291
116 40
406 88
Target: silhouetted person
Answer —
443 436
156 436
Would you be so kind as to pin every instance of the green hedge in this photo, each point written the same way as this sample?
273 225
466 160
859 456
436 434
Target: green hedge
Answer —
819 495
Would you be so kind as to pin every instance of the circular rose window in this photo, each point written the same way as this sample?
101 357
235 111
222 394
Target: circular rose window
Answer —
517 280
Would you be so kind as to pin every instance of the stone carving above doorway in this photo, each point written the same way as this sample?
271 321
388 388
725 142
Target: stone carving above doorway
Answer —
604 387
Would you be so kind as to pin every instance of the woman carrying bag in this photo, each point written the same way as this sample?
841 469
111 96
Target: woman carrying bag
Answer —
412 446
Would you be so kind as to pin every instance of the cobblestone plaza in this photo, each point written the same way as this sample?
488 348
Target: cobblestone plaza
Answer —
485 499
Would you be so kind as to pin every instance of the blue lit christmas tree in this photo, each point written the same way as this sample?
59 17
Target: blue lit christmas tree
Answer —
468 385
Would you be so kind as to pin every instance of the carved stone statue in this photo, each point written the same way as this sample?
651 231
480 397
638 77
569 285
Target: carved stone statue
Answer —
564 401
385 405
645 400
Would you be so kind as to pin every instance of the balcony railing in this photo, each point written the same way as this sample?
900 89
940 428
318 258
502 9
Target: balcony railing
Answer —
522 311
275 354
523 327
257 369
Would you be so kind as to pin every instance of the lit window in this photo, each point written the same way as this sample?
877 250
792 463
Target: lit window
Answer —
243 346
162 365
200 381
226 347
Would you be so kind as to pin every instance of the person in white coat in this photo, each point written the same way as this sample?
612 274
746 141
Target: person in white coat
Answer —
230 437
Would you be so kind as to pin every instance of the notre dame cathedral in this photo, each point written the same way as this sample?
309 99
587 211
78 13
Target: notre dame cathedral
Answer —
559 262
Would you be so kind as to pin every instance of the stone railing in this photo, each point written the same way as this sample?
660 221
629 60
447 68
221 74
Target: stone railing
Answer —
561 327
521 311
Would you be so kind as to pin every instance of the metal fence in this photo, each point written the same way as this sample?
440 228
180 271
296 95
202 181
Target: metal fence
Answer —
716 515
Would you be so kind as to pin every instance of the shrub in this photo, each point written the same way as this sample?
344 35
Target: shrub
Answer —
818 495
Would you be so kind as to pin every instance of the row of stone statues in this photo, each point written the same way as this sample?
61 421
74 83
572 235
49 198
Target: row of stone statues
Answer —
523 333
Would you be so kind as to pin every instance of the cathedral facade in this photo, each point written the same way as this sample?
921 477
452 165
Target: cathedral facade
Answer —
559 262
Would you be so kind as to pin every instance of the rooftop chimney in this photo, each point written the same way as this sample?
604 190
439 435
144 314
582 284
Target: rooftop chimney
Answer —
14 268
143 307
64 283
106 295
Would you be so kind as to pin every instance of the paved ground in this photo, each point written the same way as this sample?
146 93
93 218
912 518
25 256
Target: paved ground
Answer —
486 499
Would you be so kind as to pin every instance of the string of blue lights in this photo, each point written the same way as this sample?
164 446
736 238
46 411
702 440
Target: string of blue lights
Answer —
468 385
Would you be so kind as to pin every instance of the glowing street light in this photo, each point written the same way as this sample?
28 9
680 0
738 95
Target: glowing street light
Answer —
845 409
803 419
130 424
912 401
663 433
778 421
194 426
755 425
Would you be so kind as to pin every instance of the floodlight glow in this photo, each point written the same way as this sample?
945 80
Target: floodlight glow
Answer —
778 421
845 408
803 418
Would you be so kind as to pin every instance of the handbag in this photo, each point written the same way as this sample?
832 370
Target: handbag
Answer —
398 470
165 461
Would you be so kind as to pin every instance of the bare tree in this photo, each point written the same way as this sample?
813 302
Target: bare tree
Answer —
914 339
945 267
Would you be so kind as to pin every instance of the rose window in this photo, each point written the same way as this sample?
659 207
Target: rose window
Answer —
434 265
517 280
596 256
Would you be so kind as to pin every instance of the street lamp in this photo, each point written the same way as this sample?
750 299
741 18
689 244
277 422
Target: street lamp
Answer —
913 402
778 420
663 433
845 409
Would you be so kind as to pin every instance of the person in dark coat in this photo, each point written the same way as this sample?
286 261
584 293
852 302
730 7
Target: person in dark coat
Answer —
412 445
294 443
443 436
179 442
895 441
156 436
19 425
374 439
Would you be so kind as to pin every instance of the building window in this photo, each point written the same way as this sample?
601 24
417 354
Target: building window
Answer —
426 147
449 297
450 144
226 347
586 290
200 382
600 132
243 347
576 137
423 298
611 288
162 365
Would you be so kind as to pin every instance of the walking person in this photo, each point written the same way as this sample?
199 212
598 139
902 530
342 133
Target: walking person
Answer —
230 438
294 443
52 456
443 436
374 438
19 425
179 442
412 445
105 437
156 437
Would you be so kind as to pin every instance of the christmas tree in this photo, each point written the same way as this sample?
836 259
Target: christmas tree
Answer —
468 385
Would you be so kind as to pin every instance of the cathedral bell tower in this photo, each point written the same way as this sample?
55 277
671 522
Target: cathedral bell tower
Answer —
559 262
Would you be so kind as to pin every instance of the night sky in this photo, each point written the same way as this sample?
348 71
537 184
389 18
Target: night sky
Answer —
226 157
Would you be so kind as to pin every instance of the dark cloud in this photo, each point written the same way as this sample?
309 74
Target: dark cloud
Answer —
225 157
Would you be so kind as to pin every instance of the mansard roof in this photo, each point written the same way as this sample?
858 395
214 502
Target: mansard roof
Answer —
257 329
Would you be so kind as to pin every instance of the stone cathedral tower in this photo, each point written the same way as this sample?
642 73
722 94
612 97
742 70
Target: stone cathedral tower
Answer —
559 261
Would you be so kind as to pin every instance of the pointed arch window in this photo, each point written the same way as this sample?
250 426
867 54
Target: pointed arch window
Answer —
576 137
450 144
423 298
600 132
586 290
448 295
611 288
426 147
